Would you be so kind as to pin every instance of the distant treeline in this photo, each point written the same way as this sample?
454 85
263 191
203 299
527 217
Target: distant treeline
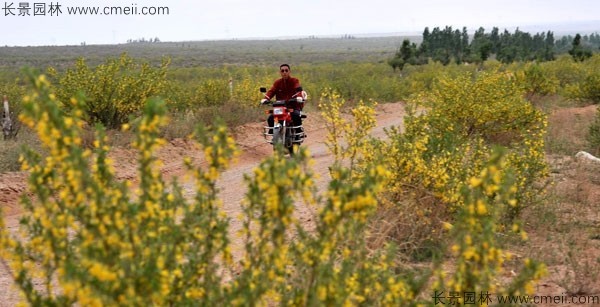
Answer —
453 45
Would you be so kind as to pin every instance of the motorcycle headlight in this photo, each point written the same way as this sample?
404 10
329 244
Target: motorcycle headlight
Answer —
278 111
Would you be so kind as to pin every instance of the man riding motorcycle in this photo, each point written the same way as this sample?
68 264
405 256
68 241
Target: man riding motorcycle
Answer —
286 88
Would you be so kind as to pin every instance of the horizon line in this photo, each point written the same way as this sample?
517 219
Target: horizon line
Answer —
337 36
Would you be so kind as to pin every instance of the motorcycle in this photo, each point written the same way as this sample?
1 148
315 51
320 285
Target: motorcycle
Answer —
284 133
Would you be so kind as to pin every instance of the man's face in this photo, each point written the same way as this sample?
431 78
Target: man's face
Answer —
284 71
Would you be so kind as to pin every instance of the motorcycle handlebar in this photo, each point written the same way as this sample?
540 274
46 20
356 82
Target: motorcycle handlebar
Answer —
286 101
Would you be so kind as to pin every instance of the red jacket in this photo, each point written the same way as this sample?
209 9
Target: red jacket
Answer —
284 89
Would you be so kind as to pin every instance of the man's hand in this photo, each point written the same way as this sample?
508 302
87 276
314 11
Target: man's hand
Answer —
264 101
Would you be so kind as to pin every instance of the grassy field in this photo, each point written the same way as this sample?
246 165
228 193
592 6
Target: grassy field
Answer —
213 53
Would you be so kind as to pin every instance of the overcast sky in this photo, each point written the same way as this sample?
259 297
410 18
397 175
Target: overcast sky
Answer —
224 19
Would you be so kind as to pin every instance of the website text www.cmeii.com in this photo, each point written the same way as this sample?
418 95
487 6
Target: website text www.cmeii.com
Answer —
27 9
487 299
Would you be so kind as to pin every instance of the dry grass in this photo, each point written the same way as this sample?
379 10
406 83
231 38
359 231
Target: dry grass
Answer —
564 229
413 224
232 113
568 128
181 125
10 150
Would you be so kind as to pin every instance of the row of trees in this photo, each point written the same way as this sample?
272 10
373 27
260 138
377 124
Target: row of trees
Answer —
565 43
143 40
448 44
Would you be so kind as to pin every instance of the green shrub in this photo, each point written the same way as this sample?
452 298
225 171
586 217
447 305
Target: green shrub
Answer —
593 136
444 146
588 89
113 91
538 81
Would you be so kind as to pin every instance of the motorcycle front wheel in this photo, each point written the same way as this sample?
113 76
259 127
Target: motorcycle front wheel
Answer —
278 137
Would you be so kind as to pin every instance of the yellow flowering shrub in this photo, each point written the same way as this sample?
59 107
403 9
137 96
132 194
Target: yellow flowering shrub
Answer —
480 202
245 87
445 145
89 240
347 140
479 260
537 80
114 90
581 79
210 92
213 88
104 245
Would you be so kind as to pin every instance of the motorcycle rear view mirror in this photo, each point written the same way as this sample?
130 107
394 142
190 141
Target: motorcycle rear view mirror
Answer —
263 89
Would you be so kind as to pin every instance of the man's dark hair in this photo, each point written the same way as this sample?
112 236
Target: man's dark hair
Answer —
288 66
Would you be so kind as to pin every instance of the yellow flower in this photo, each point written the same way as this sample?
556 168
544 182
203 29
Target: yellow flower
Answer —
474 182
481 208
102 273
